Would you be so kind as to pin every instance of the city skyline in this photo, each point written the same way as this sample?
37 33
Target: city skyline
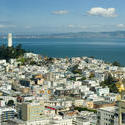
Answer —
58 16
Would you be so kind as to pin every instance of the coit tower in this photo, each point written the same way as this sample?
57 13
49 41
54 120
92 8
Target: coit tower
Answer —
9 39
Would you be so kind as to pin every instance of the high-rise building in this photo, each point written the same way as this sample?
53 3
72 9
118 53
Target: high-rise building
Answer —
6 114
9 39
30 111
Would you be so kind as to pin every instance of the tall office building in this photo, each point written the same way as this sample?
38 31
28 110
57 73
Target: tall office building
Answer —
30 111
9 39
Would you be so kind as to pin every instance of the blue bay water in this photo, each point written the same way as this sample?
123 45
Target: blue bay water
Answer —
107 49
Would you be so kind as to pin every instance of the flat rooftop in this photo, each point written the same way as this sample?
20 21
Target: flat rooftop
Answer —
109 109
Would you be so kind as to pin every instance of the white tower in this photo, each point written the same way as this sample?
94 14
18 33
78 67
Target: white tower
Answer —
9 39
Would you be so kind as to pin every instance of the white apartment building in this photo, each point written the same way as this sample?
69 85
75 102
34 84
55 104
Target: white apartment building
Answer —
107 116
102 91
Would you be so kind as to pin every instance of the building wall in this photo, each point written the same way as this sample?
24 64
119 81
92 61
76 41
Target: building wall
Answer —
106 118
6 115
122 112
90 104
28 112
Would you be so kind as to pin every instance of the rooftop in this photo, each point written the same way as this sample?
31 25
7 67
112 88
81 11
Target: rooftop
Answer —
109 109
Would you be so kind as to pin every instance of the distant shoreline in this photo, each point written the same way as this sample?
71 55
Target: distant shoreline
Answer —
114 34
109 50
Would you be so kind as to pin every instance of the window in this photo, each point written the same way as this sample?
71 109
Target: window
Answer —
123 117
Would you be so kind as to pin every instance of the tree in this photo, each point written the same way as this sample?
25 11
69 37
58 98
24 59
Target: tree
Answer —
110 83
33 63
11 52
82 79
92 57
115 63
92 75
72 78
75 70
85 109
10 103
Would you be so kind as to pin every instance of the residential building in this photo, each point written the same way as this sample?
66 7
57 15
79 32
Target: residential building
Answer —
107 116
6 113
28 111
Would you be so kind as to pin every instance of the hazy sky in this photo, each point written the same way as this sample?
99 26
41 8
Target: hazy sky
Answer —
53 16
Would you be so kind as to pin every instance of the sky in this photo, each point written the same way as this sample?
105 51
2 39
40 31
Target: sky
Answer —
60 16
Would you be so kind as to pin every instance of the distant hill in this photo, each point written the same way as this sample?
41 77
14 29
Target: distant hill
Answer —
115 34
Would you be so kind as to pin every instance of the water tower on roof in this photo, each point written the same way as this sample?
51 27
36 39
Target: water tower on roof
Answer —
10 40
